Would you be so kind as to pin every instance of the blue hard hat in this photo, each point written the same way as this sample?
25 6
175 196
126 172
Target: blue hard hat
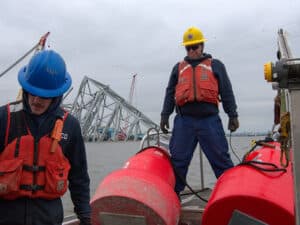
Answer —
45 75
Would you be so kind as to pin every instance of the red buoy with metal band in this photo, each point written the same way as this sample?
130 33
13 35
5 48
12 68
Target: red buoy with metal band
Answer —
263 192
139 193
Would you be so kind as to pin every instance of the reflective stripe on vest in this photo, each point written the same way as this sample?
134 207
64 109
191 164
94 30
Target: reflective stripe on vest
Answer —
196 84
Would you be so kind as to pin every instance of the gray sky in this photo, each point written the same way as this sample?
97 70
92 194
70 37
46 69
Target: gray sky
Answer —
111 40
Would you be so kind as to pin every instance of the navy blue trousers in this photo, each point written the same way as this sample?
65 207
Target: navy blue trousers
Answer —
209 132
35 211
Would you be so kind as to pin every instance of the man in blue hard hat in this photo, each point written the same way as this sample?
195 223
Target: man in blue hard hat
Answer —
194 89
42 151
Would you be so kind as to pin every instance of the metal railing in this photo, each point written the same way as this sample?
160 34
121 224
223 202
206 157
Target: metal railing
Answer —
154 137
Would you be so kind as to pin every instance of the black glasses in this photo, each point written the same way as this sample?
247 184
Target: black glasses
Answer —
193 47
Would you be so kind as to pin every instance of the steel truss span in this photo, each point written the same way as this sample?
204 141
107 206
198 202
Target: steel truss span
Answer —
106 116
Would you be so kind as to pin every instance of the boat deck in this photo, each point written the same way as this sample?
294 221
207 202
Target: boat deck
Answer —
191 208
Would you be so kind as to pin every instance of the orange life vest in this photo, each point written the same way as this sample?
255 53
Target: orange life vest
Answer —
33 168
196 84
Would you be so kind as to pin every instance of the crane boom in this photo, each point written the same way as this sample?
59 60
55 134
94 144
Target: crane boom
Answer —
39 46
130 98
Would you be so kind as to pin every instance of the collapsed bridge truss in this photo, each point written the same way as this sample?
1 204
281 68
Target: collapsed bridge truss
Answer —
104 115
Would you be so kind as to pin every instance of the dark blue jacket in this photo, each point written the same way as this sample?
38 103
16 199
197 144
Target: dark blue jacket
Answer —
201 109
50 212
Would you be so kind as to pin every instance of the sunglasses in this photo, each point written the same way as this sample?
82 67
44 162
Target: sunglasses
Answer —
193 47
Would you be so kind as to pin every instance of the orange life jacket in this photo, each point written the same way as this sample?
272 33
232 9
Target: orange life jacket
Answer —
196 84
30 167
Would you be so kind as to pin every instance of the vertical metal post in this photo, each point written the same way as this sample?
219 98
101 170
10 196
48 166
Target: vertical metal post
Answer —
295 128
293 104
201 168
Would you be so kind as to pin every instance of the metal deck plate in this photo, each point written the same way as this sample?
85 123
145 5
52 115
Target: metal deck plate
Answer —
242 218
121 219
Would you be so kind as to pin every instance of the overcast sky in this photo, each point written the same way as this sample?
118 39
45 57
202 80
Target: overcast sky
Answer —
111 40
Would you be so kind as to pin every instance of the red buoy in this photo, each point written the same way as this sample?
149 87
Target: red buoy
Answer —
266 196
139 193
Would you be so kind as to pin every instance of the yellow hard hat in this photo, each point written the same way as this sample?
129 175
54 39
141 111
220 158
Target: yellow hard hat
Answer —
268 71
193 36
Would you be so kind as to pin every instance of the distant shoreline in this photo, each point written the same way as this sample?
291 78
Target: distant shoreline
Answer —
248 134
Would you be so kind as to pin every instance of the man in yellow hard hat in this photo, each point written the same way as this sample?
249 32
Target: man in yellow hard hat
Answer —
195 87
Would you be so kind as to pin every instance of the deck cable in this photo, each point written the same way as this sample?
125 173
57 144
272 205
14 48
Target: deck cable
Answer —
256 164
185 182
232 149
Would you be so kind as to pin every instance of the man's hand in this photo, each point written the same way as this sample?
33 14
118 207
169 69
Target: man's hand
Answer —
164 124
233 124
